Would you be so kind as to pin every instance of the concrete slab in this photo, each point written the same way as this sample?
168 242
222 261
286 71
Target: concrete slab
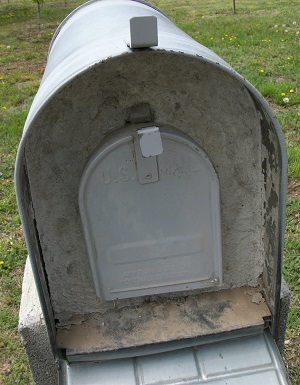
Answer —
34 334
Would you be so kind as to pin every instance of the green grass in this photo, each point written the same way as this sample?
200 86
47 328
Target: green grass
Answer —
291 270
261 42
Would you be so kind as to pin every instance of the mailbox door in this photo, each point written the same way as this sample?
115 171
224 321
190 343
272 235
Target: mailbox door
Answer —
251 360
150 208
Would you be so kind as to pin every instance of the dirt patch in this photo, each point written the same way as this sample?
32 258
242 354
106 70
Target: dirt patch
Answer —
291 354
275 107
199 316
5 369
294 188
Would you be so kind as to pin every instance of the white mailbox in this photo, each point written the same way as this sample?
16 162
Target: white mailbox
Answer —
151 182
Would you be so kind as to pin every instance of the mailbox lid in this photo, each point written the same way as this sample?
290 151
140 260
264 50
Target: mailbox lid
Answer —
251 360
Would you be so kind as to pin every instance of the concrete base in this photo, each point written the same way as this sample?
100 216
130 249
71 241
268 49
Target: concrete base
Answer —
34 334
285 297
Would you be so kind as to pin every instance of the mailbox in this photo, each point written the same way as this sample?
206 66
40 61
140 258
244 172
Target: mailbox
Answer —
151 183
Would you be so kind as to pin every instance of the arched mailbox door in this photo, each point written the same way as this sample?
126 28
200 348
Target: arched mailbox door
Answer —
150 209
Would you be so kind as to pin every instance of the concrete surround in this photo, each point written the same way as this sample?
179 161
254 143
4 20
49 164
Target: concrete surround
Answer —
199 100
34 333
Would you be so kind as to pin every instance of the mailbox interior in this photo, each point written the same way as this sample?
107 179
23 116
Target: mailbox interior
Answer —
225 119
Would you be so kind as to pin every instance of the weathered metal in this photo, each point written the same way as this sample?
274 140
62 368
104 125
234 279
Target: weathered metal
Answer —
95 89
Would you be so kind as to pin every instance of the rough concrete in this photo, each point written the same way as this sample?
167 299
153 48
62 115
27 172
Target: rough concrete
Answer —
271 169
285 297
208 315
34 335
210 106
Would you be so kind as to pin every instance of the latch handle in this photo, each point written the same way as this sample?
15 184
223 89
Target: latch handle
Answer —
148 145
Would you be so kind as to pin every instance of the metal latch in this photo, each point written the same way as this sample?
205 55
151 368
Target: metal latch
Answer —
143 32
148 145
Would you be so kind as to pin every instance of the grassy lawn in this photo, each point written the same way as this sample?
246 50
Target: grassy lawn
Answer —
261 41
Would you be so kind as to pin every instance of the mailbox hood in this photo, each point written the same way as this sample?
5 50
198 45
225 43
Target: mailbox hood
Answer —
106 35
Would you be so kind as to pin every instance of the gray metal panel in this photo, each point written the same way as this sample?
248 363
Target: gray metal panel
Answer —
137 245
101 373
251 360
